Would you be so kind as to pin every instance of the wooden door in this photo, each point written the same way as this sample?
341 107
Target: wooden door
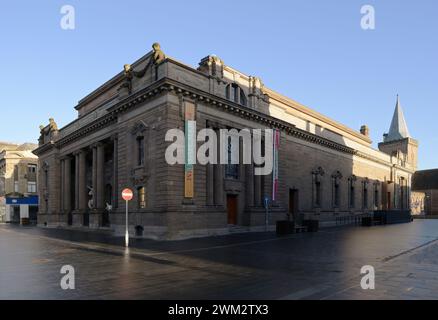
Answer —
293 203
232 209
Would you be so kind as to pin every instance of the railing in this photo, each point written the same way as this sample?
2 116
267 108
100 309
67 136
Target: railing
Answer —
392 216
378 217
353 219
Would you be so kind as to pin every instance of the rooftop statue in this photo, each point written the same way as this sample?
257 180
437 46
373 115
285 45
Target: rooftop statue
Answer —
52 125
157 57
127 82
51 130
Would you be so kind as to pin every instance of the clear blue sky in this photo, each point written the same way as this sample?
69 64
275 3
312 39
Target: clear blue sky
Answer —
312 51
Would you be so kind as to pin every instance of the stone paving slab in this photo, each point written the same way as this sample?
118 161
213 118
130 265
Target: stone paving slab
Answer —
324 265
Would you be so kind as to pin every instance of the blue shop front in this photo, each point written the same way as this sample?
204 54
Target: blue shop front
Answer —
22 210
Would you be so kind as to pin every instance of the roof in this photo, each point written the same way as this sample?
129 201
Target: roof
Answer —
8 146
425 180
399 129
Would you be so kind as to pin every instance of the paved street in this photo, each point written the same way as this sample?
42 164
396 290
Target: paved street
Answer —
325 265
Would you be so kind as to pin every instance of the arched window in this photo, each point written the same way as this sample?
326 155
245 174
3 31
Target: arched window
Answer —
236 94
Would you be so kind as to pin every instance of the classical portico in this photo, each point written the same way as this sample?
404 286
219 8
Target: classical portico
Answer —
88 177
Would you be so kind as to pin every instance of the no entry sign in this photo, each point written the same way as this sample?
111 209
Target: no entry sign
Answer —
127 194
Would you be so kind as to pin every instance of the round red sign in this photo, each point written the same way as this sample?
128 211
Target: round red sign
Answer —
127 195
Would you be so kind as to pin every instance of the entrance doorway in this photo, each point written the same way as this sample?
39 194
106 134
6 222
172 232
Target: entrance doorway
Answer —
232 209
33 214
293 204
15 214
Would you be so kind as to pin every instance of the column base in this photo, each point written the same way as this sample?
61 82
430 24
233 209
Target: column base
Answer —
96 218
63 219
78 218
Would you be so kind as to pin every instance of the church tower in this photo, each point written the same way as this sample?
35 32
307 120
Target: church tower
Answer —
398 142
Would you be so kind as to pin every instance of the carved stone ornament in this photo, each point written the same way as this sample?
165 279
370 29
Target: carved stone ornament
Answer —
337 176
49 132
139 180
158 56
139 128
318 172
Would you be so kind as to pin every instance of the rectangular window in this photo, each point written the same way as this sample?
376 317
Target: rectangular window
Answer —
318 194
336 196
376 196
352 198
32 168
140 152
365 197
16 187
31 187
142 197
231 170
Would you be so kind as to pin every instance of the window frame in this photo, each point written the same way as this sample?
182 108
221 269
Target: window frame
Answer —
142 202
32 185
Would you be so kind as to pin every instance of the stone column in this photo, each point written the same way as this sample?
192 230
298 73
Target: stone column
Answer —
249 185
67 185
258 191
62 198
218 178
81 194
210 184
115 172
100 177
94 175
82 185
76 181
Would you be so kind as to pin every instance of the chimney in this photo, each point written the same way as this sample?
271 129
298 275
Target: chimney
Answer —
365 130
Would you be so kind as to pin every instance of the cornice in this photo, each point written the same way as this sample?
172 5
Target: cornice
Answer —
44 148
170 85
90 128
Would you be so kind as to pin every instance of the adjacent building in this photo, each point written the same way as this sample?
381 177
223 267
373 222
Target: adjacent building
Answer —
425 184
18 183
325 169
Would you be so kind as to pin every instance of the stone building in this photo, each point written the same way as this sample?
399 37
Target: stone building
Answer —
325 169
426 182
18 183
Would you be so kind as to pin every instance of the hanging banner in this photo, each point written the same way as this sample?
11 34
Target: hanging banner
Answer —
276 147
190 149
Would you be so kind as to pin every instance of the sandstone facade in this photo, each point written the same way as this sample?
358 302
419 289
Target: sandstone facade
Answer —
326 170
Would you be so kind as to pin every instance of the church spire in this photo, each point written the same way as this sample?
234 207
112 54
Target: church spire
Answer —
399 129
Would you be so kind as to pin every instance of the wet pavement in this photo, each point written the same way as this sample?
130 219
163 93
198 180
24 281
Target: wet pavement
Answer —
324 265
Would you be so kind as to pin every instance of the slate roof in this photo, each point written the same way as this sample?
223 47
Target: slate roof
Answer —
399 129
425 180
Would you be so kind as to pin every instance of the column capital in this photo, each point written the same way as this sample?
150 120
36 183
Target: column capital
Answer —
96 145
66 157
80 151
